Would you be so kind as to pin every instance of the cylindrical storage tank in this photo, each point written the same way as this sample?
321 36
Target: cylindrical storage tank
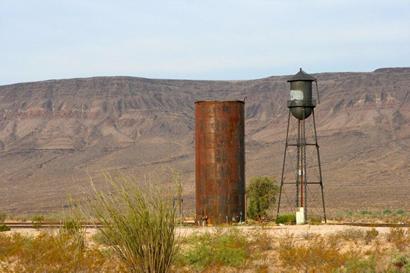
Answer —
301 108
301 102
219 161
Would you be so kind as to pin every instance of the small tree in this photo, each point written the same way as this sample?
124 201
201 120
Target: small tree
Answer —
261 195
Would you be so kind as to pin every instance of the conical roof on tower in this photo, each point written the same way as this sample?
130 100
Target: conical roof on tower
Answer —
302 76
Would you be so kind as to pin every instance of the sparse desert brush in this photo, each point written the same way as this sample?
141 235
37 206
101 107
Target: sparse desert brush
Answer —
37 221
399 237
370 235
317 254
52 253
359 265
214 250
261 241
4 227
400 263
373 216
139 225
350 234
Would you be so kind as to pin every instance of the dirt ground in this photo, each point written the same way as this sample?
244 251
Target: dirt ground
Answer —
274 231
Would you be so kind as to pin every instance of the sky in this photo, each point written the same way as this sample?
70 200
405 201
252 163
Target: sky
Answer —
199 39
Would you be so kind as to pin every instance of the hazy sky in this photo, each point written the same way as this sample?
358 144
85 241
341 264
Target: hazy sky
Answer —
199 39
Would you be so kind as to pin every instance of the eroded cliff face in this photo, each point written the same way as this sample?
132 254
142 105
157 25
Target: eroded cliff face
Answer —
55 134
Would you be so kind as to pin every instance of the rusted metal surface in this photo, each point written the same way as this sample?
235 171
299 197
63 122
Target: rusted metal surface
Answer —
220 161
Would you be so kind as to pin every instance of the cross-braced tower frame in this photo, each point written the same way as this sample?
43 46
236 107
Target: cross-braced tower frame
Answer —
301 106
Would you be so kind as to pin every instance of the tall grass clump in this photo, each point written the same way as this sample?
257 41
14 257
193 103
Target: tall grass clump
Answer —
138 224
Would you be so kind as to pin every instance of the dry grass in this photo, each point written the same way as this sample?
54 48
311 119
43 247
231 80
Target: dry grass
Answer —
225 250
399 237
52 253
317 254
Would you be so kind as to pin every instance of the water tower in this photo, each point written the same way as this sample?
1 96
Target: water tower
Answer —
220 162
301 106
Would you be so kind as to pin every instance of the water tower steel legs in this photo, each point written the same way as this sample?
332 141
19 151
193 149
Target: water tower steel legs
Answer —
283 168
320 166
301 167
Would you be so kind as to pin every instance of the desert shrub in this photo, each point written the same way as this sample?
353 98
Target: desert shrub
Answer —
316 255
286 219
4 227
261 241
358 265
399 237
349 213
400 212
261 194
138 225
371 235
365 213
60 253
400 263
37 221
229 248
350 234
387 212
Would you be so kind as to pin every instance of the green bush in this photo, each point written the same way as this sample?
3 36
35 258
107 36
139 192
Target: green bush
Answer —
365 212
229 248
400 212
3 227
261 194
37 221
387 212
289 219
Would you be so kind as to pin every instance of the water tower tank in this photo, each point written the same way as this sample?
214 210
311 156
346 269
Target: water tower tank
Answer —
219 161
301 102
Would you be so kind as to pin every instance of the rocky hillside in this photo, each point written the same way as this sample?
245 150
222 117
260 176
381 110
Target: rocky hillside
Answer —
56 134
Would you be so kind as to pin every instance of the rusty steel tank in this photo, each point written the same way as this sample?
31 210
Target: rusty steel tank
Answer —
219 162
